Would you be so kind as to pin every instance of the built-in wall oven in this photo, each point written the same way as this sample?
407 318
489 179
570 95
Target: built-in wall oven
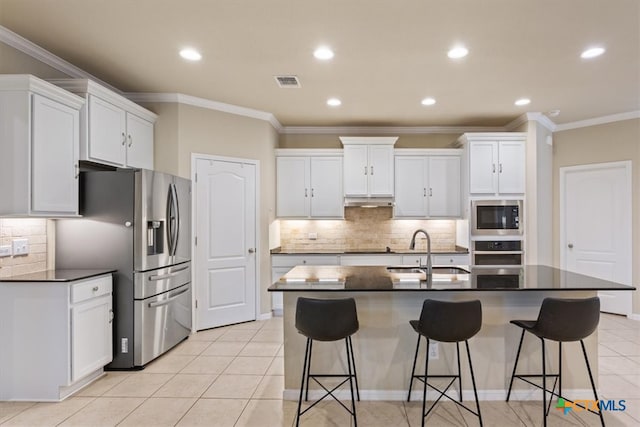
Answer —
497 264
496 218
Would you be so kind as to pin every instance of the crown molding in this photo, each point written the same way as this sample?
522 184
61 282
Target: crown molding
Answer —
31 49
531 117
599 121
385 130
205 103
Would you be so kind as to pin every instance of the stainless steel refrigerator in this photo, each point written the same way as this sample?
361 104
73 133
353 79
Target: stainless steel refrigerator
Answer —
138 222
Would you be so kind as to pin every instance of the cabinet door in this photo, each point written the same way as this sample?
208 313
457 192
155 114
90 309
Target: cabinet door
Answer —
54 157
482 167
511 166
139 142
381 170
292 187
444 186
107 132
326 187
410 187
356 171
91 337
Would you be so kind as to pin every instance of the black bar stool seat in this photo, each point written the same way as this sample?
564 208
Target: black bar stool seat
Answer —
327 320
451 322
561 320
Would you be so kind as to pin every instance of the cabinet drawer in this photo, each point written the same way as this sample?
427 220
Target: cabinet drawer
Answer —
413 260
293 260
91 288
454 259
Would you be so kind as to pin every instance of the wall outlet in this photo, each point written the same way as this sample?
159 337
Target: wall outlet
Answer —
5 250
313 236
433 350
20 246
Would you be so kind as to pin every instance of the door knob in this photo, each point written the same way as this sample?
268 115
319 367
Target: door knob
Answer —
251 250
570 245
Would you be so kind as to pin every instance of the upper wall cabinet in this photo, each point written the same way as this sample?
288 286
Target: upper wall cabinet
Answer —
309 184
496 163
39 143
115 131
427 183
368 166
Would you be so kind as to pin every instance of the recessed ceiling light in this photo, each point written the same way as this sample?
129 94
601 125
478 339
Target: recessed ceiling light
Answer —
323 53
458 52
428 101
333 102
522 101
592 52
190 54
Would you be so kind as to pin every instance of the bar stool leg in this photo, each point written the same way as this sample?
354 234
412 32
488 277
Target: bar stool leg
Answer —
473 382
304 373
560 368
306 394
459 374
544 386
424 393
353 363
353 402
593 385
515 365
413 370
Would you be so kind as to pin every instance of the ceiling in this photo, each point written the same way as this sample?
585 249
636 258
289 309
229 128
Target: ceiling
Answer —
389 55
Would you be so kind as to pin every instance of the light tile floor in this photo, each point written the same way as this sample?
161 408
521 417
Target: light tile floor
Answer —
233 376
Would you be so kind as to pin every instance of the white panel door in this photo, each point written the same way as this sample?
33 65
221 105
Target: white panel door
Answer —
596 227
326 187
381 170
292 187
511 166
482 167
226 249
139 142
356 171
410 187
444 186
107 132
54 157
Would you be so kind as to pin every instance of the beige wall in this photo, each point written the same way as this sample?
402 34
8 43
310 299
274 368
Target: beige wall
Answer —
182 130
13 61
444 140
599 144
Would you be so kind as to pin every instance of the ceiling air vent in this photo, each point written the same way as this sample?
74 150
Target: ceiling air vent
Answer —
288 81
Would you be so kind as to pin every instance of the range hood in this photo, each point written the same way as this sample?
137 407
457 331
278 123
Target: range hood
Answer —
368 202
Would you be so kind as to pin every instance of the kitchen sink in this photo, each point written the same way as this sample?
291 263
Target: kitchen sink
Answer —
434 270
449 270
405 270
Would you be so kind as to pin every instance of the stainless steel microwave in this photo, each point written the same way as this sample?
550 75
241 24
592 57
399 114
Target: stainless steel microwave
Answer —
496 218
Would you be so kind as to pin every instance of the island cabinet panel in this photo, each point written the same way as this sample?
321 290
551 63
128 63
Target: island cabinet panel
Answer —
309 186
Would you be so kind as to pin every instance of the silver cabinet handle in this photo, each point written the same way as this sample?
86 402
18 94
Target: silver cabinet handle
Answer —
173 273
130 141
124 139
252 250
168 300
95 289
365 170
371 170
430 192
570 245
111 316
494 168
424 192
500 168
312 193
305 193
76 170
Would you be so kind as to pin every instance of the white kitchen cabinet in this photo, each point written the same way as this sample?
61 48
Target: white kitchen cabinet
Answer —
437 259
428 184
368 166
371 259
40 129
56 336
309 184
115 131
496 163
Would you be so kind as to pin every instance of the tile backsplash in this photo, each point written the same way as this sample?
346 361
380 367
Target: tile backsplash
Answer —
365 229
35 231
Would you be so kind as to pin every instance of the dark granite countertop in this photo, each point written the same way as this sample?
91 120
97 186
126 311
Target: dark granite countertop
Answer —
56 276
372 279
458 251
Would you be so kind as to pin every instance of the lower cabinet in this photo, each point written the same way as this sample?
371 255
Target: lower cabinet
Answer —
56 337
437 259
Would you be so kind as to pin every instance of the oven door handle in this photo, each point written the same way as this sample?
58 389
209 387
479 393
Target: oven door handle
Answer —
168 300
175 272
498 252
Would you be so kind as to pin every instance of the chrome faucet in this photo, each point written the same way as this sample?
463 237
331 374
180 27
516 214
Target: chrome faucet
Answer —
412 246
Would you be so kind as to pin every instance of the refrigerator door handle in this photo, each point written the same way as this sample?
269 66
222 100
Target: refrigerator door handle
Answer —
168 300
169 226
176 227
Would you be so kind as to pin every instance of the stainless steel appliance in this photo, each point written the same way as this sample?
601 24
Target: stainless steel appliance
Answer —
496 253
139 222
497 278
496 218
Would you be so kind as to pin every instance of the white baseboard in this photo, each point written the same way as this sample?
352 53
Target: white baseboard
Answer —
264 316
416 395
277 312
634 317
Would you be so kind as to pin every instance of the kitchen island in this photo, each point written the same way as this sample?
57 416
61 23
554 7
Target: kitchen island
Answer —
384 346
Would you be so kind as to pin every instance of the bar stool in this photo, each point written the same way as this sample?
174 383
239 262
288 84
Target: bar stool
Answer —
327 320
561 320
446 322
